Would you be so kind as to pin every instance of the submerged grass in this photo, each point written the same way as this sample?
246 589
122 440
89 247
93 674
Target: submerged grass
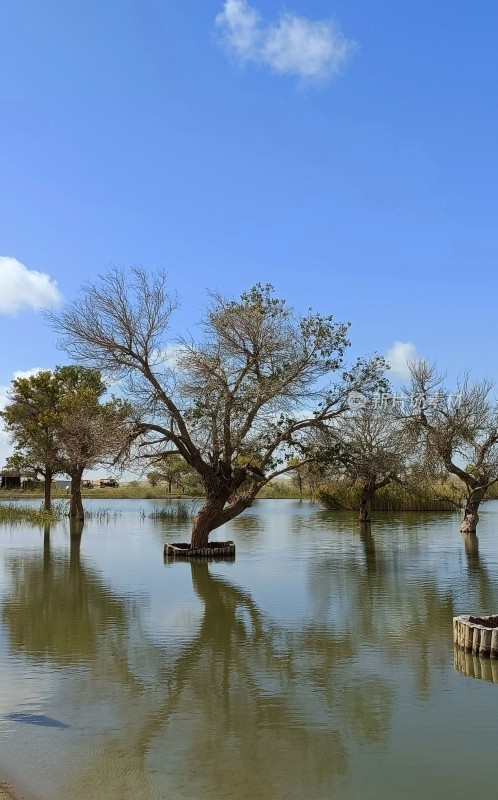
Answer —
394 498
18 513
102 514
13 513
175 511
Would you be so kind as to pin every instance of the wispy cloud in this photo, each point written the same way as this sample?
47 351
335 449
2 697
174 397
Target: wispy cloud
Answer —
399 357
293 45
21 287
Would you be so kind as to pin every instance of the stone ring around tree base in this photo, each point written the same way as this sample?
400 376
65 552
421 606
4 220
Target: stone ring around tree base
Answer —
183 550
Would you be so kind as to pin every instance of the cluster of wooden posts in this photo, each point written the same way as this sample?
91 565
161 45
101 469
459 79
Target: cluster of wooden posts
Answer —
477 635
213 550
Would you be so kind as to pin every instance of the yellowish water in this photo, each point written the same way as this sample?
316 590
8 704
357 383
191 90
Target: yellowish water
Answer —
319 665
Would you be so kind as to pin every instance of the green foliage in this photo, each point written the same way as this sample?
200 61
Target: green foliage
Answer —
51 410
153 477
173 470
58 423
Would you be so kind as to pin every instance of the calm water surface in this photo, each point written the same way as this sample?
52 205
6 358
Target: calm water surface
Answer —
318 665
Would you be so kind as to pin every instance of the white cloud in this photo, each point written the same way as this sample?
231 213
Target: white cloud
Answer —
21 287
399 356
293 45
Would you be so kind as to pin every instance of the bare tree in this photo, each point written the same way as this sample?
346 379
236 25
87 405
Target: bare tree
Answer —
459 430
96 437
371 452
235 403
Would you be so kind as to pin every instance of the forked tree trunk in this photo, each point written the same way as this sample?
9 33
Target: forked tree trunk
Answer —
471 517
76 503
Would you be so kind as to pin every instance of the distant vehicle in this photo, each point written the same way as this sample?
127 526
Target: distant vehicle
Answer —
87 484
106 483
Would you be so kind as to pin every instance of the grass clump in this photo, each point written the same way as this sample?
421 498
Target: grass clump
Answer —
179 511
339 495
16 513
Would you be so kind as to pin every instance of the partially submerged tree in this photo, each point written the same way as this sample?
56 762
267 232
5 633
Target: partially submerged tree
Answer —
371 452
237 402
459 431
58 424
90 432
31 417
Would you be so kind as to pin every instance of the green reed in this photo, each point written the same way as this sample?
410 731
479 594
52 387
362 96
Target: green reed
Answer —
339 495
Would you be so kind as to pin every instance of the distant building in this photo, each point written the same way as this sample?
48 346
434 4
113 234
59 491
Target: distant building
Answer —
21 480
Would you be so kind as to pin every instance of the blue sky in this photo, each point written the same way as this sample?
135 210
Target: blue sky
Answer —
343 151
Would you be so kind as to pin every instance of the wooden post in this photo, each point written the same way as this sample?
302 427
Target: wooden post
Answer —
485 645
494 643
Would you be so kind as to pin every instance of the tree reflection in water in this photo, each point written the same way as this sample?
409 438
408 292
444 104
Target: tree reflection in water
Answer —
58 609
249 708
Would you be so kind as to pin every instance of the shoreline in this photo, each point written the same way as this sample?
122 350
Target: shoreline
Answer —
7 792
12 787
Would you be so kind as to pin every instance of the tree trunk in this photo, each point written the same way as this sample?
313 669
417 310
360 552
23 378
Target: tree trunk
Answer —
367 496
75 503
366 503
471 517
206 520
48 488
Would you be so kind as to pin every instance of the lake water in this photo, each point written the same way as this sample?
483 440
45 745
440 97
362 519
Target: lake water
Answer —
318 665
